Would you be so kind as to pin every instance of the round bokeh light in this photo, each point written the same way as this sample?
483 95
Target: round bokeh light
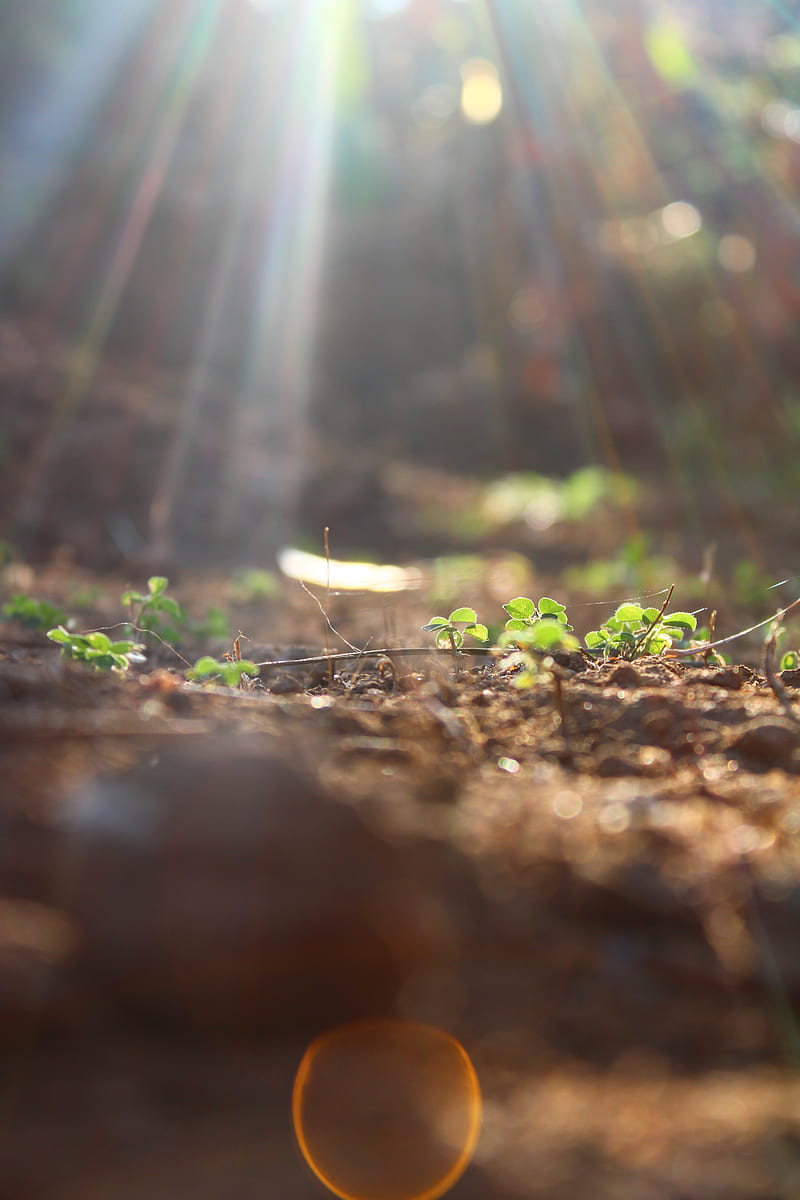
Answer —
387 1110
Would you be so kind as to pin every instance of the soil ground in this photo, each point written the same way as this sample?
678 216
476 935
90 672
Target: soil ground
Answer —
593 883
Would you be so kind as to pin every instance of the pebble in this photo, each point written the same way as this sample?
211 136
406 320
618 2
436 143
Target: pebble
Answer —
768 740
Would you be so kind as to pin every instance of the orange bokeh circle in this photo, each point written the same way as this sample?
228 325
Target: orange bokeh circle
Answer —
387 1110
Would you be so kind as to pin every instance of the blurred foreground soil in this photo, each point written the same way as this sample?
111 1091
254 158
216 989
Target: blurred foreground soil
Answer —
595 885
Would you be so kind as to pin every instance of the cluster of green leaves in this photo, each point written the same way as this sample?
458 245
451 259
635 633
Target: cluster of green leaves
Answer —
227 671
35 614
447 633
534 630
539 627
532 627
524 614
97 649
634 631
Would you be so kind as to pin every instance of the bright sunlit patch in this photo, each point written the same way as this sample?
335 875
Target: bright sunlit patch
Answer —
347 576
680 220
481 91
736 253
387 1110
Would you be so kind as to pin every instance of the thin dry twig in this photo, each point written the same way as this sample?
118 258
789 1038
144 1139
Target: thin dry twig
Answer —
770 670
340 636
703 646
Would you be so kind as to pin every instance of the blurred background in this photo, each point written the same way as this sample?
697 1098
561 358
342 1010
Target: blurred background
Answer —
424 271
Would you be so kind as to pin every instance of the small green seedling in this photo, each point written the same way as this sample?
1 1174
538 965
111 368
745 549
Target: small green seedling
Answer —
254 584
35 614
213 625
790 660
447 635
146 610
228 671
524 614
534 645
97 649
634 631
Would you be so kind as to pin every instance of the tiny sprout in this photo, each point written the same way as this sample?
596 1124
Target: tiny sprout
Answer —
229 671
35 614
447 635
146 609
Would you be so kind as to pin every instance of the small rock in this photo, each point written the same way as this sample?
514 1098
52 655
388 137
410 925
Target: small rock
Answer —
731 678
769 740
625 676
284 685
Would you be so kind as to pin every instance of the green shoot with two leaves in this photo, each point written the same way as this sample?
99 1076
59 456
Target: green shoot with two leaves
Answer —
448 636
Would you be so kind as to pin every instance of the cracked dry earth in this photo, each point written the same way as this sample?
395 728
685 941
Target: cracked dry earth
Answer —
595 887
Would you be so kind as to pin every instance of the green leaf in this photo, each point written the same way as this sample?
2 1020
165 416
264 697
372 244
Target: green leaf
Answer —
549 607
521 608
628 612
684 619
98 641
435 623
479 632
595 639
548 634
61 636
449 637
206 666
464 614
658 644
132 597
514 623
790 660
157 584
167 604
649 615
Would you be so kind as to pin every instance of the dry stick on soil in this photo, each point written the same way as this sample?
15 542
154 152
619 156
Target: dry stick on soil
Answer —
712 624
642 640
389 652
769 667
705 646
326 539
319 658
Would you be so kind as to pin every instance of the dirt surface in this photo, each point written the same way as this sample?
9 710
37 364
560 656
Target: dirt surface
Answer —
593 883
